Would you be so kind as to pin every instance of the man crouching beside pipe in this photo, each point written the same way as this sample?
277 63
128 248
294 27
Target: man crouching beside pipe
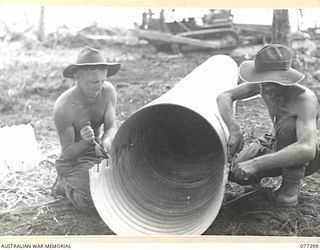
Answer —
85 120
291 150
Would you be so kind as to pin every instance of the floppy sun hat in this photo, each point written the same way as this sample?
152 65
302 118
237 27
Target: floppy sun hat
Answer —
91 57
271 64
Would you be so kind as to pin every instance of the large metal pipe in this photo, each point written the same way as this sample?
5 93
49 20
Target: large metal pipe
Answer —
167 170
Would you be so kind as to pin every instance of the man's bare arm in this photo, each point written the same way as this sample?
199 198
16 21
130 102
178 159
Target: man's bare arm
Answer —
225 104
299 152
69 148
110 125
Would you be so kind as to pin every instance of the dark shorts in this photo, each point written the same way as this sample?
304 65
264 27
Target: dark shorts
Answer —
74 177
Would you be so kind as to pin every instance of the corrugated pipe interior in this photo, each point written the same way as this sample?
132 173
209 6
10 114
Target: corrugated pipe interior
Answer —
167 170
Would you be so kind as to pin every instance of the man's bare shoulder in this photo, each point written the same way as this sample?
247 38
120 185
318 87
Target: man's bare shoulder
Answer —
307 95
65 97
63 105
109 90
306 100
108 86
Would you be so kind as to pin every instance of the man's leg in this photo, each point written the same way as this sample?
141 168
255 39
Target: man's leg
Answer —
77 189
287 194
58 187
314 165
74 183
260 146
62 167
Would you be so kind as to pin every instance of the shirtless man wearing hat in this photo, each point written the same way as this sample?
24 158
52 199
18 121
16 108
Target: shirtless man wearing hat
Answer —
291 150
85 120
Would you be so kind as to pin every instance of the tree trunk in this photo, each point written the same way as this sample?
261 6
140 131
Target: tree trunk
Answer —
281 34
281 30
41 31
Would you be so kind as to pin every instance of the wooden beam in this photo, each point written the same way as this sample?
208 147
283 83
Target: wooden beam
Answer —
169 38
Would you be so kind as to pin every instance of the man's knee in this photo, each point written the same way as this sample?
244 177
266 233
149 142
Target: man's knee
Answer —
58 187
77 188
255 149
314 165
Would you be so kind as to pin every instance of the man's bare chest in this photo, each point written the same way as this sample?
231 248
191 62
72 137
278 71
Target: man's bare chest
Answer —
279 108
92 113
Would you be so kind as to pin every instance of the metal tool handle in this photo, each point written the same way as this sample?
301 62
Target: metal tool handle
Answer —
105 153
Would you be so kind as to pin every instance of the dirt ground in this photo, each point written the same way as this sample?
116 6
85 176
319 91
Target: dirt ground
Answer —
30 82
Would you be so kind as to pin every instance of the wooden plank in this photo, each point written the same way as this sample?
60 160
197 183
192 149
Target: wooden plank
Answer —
255 28
169 38
206 31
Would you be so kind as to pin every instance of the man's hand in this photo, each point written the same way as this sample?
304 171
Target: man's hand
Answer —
244 173
106 144
87 133
103 149
100 151
235 143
